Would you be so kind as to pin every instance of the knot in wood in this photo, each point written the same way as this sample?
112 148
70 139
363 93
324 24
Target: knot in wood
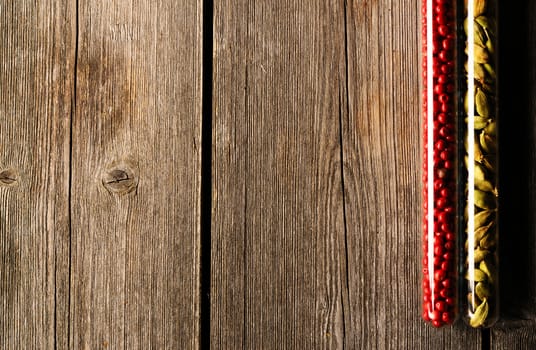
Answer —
120 181
8 177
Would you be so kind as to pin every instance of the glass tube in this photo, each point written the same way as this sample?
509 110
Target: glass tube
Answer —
481 300
439 102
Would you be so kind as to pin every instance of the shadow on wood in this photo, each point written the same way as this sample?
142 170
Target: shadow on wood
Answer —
517 154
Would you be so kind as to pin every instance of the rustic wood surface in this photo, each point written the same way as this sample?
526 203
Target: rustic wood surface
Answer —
313 242
136 176
382 181
37 45
312 229
279 261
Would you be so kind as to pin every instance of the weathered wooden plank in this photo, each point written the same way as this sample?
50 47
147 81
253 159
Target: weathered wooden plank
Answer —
278 260
37 43
514 338
136 175
382 178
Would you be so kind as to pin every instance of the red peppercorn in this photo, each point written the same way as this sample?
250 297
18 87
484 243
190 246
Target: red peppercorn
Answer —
440 305
448 44
445 293
442 173
445 56
446 227
445 155
446 193
439 89
443 30
438 281
442 79
443 216
441 203
440 145
446 130
435 315
425 315
446 317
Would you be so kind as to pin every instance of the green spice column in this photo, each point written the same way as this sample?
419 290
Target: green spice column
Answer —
480 220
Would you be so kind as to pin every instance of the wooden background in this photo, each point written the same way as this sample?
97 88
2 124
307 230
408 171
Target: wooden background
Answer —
235 174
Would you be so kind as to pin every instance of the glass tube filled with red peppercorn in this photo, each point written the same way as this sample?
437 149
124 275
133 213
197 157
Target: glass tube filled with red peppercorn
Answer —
440 161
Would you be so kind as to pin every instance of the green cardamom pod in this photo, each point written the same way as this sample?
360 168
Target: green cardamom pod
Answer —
489 269
491 128
479 155
476 147
480 233
473 300
480 315
479 7
490 70
481 54
480 35
484 219
478 276
485 200
484 185
482 103
480 72
490 46
488 24
479 255
488 143
480 172
483 290
481 179
488 241
489 162
479 122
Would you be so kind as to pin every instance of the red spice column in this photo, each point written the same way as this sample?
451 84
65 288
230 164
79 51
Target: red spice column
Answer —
439 161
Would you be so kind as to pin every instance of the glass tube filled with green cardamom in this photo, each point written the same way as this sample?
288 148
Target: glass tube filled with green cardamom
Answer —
480 220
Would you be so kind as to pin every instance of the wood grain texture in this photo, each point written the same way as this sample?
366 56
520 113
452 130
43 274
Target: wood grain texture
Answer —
286 270
522 338
37 45
136 176
278 263
382 177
